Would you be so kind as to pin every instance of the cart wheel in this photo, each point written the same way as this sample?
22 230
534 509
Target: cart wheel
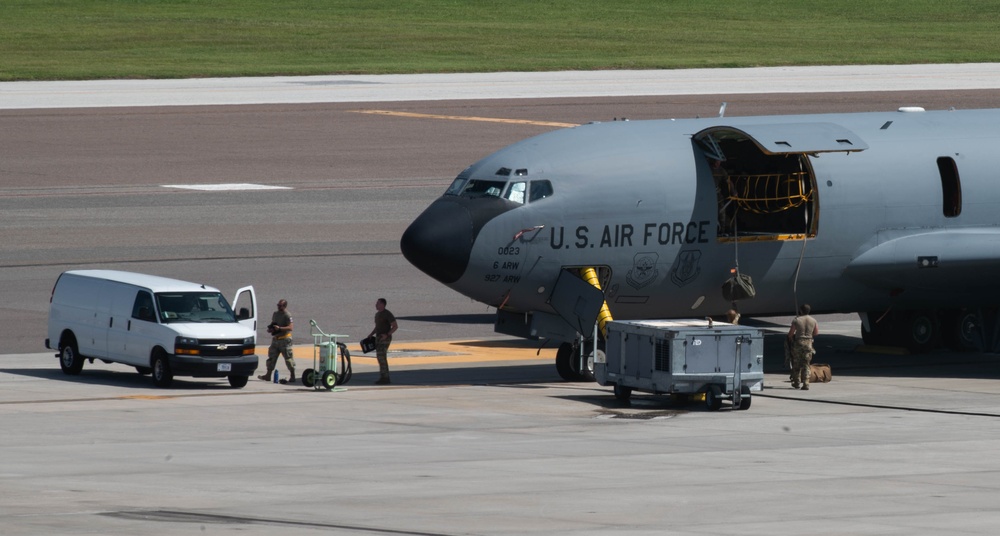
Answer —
744 397
623 393
713 397
309 377
329 380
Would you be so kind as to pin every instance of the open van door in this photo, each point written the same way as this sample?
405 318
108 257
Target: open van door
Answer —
245 307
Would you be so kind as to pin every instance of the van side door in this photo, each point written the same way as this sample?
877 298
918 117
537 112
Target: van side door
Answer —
141 330
121 298
245 307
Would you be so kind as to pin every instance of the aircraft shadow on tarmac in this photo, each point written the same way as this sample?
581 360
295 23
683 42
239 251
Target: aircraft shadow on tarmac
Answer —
453 319
845 356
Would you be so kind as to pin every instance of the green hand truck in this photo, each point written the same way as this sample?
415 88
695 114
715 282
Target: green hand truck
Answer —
326 350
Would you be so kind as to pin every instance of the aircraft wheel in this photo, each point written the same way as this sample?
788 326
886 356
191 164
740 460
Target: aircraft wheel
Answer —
329 380
744 397
563 356
309 377
623 393
961 330
920 331
713 398
238 382
162 376
589 356
880 333
70 359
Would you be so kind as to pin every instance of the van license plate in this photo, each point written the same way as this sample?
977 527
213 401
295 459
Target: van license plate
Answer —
225 367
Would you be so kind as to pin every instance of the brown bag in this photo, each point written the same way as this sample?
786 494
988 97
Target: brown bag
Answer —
820 373
738 287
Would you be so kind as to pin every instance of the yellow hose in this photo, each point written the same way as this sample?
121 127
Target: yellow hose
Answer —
590 275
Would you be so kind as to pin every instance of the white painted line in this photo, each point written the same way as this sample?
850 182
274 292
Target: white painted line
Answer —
235 186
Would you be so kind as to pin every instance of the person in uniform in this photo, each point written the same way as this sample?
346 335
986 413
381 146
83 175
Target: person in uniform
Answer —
281 342
800 340
385 326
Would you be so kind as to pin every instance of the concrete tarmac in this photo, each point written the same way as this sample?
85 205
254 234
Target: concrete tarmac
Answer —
482 439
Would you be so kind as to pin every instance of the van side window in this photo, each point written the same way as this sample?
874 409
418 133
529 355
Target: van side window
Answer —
143 307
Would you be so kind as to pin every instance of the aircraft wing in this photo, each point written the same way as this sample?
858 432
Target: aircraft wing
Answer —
956 260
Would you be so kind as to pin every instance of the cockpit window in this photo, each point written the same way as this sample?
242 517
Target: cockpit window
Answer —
520 192
515 192
479 188
540 190
456 186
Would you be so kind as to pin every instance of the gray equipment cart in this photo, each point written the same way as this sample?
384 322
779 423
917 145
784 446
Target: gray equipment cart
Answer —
723 361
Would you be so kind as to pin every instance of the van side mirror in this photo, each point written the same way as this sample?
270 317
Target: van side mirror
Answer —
244 314
146 314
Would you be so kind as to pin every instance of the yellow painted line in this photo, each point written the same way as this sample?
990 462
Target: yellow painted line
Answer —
448 352
468 118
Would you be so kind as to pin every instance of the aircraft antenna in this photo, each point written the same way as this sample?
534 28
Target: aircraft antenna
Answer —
722 110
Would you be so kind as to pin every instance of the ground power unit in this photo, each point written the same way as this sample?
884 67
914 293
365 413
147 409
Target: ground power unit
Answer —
683 357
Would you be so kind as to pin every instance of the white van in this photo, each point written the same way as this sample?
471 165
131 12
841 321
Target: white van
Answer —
160 326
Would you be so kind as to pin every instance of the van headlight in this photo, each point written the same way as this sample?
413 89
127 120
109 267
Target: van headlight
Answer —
186 346
248 346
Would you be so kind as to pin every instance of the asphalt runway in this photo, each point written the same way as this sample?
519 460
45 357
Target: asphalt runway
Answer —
84 188
478 439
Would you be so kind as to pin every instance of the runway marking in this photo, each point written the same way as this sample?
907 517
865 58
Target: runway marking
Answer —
469 118
226 187
180 516
446 352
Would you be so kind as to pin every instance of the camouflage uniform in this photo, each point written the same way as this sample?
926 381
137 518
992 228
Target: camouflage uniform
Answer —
281 344
383 324
802 350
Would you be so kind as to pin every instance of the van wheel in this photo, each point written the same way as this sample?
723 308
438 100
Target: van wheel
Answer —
70 359
237 382
162 377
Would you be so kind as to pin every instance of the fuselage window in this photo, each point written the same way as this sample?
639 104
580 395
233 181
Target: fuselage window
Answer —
539 190
515 192
951 187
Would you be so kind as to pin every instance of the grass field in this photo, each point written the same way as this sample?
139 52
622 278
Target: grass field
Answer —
89 39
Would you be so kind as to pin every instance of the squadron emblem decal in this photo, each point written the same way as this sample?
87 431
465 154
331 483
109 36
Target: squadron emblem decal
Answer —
643 270
686 267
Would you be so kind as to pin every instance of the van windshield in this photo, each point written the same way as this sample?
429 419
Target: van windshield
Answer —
193 307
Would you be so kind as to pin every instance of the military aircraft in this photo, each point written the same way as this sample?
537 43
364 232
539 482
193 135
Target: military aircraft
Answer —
893 215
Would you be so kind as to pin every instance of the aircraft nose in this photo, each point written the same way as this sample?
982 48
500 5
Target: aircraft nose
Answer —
439 241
